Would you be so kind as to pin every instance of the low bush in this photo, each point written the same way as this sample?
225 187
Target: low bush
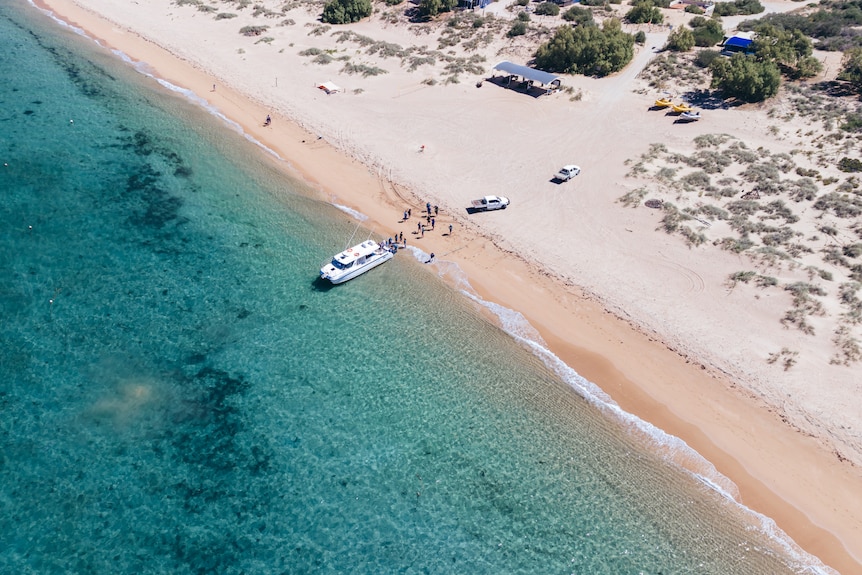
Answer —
547 9
738 7
707 32
645 12
680 40
705 57
253 30
577 15
519 28
850 165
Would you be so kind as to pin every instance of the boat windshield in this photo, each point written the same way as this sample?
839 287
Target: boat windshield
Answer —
338 265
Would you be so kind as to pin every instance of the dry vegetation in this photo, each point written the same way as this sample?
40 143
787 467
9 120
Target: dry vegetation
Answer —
450 46
795 216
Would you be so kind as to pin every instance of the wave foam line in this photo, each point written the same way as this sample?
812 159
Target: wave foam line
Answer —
351 212
670 448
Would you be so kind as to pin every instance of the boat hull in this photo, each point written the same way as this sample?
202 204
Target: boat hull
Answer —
340 278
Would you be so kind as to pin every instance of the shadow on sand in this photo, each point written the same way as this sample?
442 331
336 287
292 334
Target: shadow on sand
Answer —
509 83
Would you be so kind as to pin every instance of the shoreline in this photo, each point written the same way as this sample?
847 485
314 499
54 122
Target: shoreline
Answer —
779 472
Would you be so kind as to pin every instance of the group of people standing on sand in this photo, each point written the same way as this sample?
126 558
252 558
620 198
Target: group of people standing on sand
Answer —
430 215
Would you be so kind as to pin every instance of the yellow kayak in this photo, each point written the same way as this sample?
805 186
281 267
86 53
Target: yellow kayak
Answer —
682 108
663 103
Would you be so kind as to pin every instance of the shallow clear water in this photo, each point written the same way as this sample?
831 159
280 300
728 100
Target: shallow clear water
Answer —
180 394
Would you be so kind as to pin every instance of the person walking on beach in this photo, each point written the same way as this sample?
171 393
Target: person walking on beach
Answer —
409 212
450 229
436 210
432 223
418 227
268 121
428 207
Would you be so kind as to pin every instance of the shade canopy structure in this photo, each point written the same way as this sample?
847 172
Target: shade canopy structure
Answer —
531 74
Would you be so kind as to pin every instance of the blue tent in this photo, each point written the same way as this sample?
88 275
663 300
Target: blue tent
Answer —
737 44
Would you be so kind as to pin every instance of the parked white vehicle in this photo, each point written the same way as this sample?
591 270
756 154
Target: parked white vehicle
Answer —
490 203
566 173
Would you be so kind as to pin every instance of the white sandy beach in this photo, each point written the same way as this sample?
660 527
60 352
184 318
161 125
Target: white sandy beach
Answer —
639 312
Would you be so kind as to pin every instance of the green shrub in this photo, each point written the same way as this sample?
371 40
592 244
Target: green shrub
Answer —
225 16
850 165
431 8
745 78
587 50
851 67
645 12
705 57
524 16
547 9
519 28
852 123
577 15
680 40
346 11
706 32
738 7
694 9
640 37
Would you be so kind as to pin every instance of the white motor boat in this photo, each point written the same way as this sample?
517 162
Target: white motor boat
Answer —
357 260
690 116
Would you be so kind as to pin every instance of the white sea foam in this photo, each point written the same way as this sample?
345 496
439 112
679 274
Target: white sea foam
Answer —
351 212
63 23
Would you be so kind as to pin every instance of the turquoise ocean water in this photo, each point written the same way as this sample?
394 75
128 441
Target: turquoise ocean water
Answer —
180 394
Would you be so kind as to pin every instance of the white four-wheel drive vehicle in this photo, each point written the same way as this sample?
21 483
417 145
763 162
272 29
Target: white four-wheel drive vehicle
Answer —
566 173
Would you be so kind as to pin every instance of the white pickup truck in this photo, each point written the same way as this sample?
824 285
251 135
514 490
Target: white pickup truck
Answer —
490 203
